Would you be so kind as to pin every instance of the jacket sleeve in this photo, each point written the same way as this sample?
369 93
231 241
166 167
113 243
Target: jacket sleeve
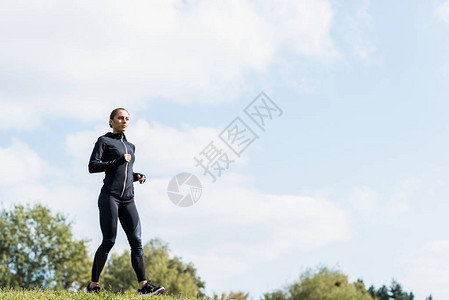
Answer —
96 165
135 174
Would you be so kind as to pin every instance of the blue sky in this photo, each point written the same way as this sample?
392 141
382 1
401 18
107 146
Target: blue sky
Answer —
353 175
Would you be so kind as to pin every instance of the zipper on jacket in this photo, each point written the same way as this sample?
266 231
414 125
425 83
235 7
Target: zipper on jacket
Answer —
126 169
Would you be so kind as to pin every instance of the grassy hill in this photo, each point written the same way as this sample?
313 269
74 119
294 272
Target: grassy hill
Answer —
50 294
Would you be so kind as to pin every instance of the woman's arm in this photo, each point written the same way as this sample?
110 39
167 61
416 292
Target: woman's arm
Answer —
96 165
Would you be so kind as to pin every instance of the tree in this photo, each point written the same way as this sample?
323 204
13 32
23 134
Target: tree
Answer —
372 291
396 291
232 296
360 287
37 250
382 293
323 284
177 277
276 295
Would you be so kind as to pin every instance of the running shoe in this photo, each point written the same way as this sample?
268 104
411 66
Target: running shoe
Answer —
149 289
95 289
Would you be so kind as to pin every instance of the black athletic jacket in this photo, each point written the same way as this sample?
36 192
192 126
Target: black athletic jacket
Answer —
108 156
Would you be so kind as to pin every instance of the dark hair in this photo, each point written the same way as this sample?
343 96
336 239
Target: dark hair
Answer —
114 112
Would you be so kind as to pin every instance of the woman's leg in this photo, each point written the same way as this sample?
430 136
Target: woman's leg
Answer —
108 208
129 218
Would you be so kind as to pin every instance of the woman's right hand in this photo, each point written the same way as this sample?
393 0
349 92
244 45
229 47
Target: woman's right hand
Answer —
128 157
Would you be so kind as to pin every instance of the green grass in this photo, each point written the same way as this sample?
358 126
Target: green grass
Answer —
51 294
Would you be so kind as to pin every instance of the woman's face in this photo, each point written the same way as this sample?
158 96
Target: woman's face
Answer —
120 122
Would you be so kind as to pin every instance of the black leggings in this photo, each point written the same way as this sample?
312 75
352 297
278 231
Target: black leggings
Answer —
111 209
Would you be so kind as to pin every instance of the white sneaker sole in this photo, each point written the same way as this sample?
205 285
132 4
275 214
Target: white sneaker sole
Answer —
159 291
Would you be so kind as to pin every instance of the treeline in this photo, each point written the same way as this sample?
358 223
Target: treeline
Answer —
327 284
38 250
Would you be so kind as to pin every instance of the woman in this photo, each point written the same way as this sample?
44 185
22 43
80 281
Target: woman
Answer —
114 155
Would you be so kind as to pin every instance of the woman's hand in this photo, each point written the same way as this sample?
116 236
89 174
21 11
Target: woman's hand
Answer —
128 157
141 178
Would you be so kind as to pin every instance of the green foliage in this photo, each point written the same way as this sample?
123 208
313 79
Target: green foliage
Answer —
323 284
382 293
37 250
232 296
276 295
360 287
326 284
177 277
397 293
372 291
119 274
394 292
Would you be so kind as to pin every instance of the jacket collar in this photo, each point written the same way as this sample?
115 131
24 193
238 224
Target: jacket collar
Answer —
117 136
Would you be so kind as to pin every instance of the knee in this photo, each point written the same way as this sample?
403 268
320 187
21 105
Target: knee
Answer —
107 244
136 243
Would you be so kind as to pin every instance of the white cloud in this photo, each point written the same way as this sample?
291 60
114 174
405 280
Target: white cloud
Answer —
399 201
357 31
428 270
364 199
64 58
167 151
233 228
30 114
374 206
28 178
293 23
21 115
442 12
21 164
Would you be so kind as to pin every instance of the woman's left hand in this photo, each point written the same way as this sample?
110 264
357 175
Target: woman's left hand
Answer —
141 178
